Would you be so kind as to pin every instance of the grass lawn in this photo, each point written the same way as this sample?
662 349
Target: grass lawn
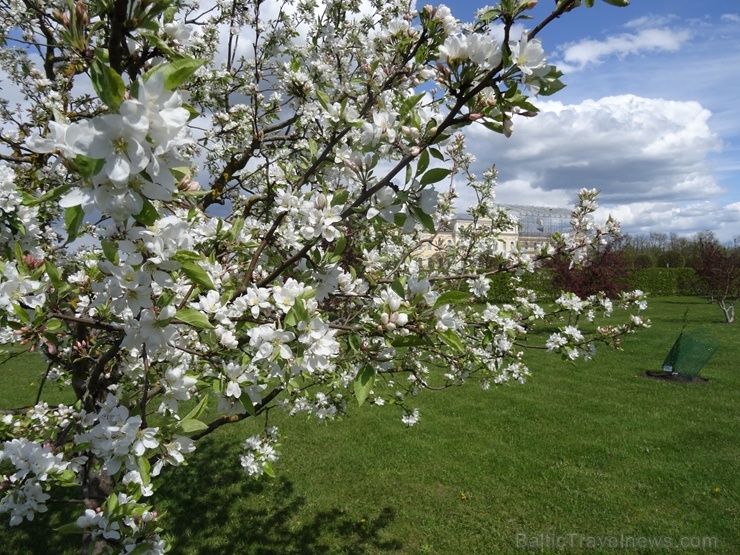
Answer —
582 455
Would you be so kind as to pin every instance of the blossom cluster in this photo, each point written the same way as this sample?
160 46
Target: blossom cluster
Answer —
133 151
260 453
34 466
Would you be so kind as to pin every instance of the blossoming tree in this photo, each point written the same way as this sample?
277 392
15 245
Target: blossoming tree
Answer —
211 209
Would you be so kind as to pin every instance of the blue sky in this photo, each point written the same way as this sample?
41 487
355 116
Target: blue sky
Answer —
650 116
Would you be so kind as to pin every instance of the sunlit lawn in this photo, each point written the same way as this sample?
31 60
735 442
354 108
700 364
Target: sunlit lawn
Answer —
586 453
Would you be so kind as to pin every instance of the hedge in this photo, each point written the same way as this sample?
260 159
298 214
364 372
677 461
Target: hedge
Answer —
666 282
663 282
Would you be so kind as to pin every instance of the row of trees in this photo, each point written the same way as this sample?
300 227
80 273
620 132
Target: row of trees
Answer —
716 267
669 250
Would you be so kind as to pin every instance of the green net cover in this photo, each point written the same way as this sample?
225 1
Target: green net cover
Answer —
690 352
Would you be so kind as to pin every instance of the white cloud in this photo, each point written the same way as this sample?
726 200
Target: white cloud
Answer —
640 152
651 20
684 219
521 191
576 56
627 146
730 18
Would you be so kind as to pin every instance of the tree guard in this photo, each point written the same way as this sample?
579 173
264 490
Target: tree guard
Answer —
690 353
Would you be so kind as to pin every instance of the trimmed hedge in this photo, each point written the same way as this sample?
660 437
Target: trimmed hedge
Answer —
668 282
663 282
502 290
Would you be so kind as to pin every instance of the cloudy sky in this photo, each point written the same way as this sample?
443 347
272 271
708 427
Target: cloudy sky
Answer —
650 116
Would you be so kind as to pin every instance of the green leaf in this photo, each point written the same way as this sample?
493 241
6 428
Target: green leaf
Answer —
188 256
54 275
291 320
21 313
73 217
161 45
423 162
397 287
107 84
410 103
249 406
148 214
452 339
434 175
618 3
53 324
110 251
18 252
192 111
452 297
197 275
194 317
111 503
53 195
267 467
409 341
323 99
70 528
399 219
192 425
355 343
551 83
144 467
340 197
301 312
88 167
494 126
176 73
425 219
436 153
236 228
198 410
364 383
66 478
548 88
489 15
102 55
340 245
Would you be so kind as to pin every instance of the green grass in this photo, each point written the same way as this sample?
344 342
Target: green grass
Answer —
594 450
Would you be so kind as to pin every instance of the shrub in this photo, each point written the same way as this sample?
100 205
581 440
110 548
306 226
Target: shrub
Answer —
666 282
671 259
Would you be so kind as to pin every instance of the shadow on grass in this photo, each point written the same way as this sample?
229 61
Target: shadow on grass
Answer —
35 538
212 506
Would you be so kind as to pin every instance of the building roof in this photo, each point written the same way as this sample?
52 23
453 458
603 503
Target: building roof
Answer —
535 221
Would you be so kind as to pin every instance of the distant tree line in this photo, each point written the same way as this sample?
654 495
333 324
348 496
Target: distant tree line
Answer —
660 264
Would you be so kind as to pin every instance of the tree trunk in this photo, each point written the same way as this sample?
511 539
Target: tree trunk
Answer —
729 309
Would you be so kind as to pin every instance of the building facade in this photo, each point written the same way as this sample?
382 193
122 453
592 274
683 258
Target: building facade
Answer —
535 226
